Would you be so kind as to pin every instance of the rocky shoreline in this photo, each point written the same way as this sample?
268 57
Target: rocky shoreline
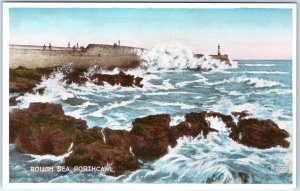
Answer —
43 128
23 80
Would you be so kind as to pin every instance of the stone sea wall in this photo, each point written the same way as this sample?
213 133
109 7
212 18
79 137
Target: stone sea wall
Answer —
103 55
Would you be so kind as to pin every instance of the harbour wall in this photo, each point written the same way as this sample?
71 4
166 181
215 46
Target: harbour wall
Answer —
104 55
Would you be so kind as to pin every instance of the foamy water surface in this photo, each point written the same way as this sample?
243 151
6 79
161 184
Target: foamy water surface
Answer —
177 83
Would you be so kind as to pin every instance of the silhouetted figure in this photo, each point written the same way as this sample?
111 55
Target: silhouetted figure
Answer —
44 47
77 46
219 52
69 45
119 43
50 46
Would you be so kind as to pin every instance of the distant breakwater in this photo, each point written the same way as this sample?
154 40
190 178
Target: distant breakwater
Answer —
106 56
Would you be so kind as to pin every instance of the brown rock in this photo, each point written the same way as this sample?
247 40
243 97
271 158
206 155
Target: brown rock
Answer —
75 75
241 114
13 101
150 136
117 79
102 146
261 134
199 123
43 129
100 154
244 177
117 138
22 80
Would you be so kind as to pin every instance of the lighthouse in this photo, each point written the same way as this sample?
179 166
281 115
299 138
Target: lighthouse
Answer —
219 52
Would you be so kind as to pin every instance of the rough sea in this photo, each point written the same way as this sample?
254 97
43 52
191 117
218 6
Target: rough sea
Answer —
176 83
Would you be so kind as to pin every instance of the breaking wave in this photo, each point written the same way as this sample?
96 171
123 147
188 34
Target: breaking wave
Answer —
179 57
256 82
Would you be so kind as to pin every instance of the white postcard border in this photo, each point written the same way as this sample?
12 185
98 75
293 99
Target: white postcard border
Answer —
5 67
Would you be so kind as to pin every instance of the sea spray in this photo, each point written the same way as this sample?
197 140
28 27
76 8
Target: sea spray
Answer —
179 57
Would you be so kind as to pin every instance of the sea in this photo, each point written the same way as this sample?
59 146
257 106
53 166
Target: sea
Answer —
176 83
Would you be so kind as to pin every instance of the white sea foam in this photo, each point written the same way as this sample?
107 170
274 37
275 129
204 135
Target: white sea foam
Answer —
176 120
103 136
55 89
165 85
256 82
178 57
277 91
37 158
226 106
235 93
265 72
259 64
185 83
76 113
216 159
99 113
176 104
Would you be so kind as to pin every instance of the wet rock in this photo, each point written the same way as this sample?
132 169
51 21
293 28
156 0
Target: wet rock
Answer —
13 101
75 75
244 177
75 101
22 80
87 136
194 124
117 138
41 91
198 123
117 79
261 134
101 147
100 154
137 82
241 114
43 129
150 136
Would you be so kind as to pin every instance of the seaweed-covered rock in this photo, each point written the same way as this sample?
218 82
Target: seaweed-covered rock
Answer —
22 80
199 123
75 75
101 154
261 134
241 114
122 79
194 124
150 136
43 129
13 101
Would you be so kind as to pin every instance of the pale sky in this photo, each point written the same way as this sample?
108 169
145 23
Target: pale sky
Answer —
243 33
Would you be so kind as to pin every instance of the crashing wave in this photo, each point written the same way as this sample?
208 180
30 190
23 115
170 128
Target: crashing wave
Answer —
179 57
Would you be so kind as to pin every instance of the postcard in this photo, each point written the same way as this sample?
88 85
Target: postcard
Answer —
176 94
